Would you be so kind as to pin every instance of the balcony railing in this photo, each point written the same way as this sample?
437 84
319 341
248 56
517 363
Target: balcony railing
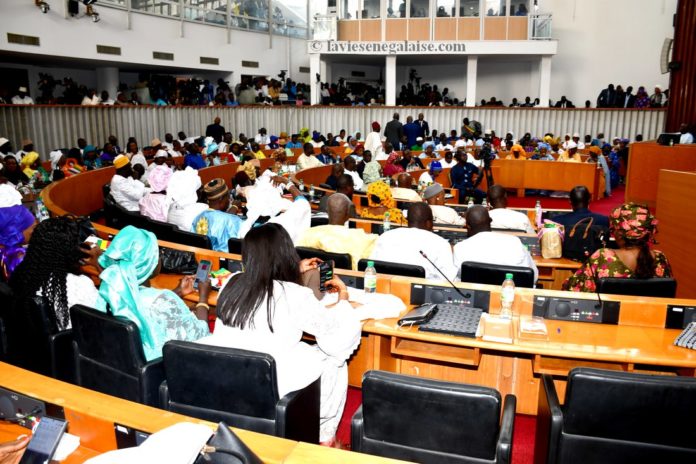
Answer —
539 27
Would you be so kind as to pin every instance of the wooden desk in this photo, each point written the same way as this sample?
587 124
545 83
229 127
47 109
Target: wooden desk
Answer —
639 343
645 161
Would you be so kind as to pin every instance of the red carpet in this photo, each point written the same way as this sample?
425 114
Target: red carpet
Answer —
522 440
602 206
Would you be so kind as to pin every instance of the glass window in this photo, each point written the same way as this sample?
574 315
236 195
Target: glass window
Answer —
370 9
350 9
445 9
468 7
164 7
493 7
519 7
396 9
420 8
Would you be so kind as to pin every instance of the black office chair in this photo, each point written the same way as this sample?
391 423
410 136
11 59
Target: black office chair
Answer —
109 357
432 421
386 267
616 417
341 260
494 274
113 213
327 187
34 342
6 309
246 396
162 230
655 287
234 246
191 239
319 221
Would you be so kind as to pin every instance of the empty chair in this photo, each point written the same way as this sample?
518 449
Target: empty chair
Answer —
341 260
616 417
319 221
245 395
109 357
655 287
385 267
431 421
494 274
234 246
191 239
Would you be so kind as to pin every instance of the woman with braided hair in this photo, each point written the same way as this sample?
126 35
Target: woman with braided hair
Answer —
51 268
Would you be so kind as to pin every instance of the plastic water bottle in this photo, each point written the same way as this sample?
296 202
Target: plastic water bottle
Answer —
338 159
470 204
538 213
507 296
311 191
484 203
301 185
386 224
41 211
370 278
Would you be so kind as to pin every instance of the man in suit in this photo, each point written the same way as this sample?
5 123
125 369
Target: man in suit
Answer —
607 97
580 202
411 131
564 103
393 131
626 99
424 127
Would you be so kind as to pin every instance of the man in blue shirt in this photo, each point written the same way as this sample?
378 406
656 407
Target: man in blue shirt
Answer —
293 143
411 131
193 157
580 202
462 178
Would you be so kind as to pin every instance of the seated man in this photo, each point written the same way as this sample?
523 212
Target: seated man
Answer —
484 246
571 154
125 190
307 159
403 244
435 196
336 172
344 185
502 217
216 222
336 237
463 176
403 191
580 202
351 168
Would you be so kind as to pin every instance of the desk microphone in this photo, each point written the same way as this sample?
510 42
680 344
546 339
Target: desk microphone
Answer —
465 296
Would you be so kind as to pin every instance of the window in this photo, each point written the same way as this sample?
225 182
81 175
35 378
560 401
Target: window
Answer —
493 7
519 7
445 9
370 9
420 8
468 7
350 9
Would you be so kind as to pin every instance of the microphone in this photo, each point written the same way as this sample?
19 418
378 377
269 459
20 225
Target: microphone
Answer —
596 283
465 296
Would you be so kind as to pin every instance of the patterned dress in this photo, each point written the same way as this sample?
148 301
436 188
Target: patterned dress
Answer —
605 263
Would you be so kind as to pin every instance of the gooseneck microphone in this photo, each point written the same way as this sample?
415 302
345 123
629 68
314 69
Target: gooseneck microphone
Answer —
465 296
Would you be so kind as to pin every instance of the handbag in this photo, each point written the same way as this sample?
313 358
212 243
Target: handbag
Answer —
551 240
226 448
583 239
177 261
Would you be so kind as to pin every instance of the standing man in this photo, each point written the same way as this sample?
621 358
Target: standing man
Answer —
215 130
423 125
22 97
412 131
393 131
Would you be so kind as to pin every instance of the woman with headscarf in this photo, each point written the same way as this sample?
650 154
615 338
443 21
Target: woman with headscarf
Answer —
51 268
380 202
642 98
393 165
273 144
16 226
182 196
597 157
633 228
154 203
12 171
129 262
373 141
371 169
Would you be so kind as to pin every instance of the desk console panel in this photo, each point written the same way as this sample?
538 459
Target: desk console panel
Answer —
678 316
577 310
437 294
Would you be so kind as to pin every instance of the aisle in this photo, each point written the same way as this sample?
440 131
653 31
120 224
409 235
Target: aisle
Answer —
603 206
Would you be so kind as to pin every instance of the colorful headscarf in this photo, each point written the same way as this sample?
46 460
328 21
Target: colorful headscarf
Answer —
634 221
128 262
159 178
183 186
595 149
382 192
29 159
517 148
14 220
249 167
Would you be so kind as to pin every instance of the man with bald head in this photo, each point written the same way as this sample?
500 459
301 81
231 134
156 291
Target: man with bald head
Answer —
402 244
215 130
485 246
404 190
336 237
502 217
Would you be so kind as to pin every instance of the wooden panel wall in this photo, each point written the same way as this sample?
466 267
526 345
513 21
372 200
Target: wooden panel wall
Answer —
495 28
682 101
469 29
517 28
676 212
445 29
419 29
396 29
370 30
349 30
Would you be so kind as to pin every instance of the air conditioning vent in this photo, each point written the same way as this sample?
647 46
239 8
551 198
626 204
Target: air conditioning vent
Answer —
163 56
250 64
108 50
23 39
304 69
208 60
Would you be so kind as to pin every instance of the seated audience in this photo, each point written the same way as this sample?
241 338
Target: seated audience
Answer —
344 186
217 222
13 172
404 190
502 217
193 157
403 244
463 178
267 309
350 168
51 268
307 159
516 153
449 160
409 162
125 190
129 262
686 135
434 195
336 172
16 226
571 154
154 204
485 246
336 237
380 202
633 228
431 175
325 155
182 196
372 170
393 166
580 201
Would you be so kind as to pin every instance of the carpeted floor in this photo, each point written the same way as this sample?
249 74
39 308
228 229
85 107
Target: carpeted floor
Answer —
602 206
522 439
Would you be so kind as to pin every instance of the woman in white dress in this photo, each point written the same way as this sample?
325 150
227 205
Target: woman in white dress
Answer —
267 309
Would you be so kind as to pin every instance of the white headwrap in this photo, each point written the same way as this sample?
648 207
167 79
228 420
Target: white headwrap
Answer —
9 196
55 156
182 187
262 200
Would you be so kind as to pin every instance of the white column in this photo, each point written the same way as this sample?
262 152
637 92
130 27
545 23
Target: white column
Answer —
544 81
471 71
325 69
107 79
314 69
390 80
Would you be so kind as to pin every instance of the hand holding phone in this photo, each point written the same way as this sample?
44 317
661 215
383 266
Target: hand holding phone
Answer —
202 273
44 442
325 274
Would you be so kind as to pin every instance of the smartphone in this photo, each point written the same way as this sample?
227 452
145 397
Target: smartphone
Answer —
44 441
202 273
325 274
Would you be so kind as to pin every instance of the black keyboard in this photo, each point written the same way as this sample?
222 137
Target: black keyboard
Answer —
454 319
